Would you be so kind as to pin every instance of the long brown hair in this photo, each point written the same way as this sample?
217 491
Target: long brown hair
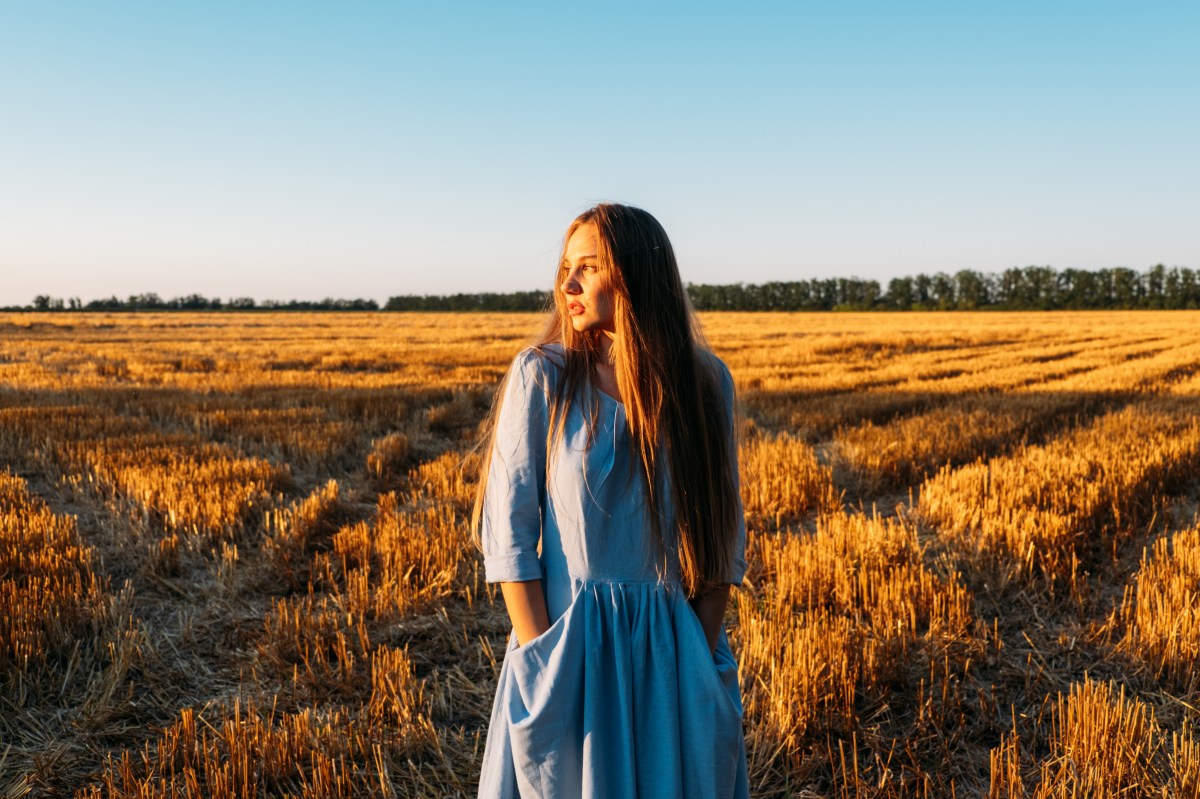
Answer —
669 382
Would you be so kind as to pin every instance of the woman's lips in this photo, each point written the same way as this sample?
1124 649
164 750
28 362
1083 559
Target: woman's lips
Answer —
574 307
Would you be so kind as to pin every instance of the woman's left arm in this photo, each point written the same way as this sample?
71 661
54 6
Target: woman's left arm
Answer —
710 606
710 609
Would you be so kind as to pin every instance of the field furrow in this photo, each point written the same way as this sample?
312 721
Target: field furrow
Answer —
235 560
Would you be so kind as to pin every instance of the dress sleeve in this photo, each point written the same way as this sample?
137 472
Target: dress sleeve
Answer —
511 524
737 565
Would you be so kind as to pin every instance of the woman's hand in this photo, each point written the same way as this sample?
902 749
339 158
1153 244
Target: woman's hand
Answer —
710 609
526 605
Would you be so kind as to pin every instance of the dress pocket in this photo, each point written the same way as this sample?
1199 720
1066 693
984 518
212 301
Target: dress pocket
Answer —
541 645
726 667
721 669
544 697
717 710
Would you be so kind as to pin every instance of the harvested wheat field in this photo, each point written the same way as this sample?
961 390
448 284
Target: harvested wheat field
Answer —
234 558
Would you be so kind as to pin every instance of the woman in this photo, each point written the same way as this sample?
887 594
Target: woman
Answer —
608 511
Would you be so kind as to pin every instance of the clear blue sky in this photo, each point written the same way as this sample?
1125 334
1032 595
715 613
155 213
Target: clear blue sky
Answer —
304 150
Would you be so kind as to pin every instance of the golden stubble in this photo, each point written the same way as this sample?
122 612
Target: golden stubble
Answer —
235 555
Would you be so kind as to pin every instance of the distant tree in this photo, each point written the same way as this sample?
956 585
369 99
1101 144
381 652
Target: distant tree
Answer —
487 301
900 294
145 302
1182 289
44 302
941 292
1010 288
110 304
1039 288
1126 289
922 292
856 294
192 302
1154 287
1072 288
970 290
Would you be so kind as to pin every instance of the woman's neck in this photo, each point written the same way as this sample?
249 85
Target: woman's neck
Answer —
606 343
605 372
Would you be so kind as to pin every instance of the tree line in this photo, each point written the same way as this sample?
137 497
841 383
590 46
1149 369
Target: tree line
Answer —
1029 288
193 302
1018 289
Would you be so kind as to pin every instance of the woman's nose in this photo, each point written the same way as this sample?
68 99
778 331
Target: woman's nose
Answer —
570 285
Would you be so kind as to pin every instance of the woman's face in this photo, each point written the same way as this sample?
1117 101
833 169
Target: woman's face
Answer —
586 291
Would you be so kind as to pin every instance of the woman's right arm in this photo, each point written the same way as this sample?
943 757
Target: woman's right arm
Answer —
511 524
526 603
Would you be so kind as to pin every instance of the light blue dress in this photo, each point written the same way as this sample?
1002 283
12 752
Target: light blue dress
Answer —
620 698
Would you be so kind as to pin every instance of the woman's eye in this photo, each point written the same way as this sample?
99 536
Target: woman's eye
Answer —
582 268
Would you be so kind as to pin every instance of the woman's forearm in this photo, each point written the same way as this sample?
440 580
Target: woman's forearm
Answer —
710 609
526 603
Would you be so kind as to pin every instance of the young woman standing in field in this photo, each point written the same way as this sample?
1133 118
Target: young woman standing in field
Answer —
608 510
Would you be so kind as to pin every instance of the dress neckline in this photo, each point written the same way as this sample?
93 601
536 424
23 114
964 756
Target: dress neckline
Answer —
558 350
609 397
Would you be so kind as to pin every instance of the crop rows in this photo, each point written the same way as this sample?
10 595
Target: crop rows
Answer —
234 557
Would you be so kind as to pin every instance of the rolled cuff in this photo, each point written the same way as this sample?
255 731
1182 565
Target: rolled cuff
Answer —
514 568
737 571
